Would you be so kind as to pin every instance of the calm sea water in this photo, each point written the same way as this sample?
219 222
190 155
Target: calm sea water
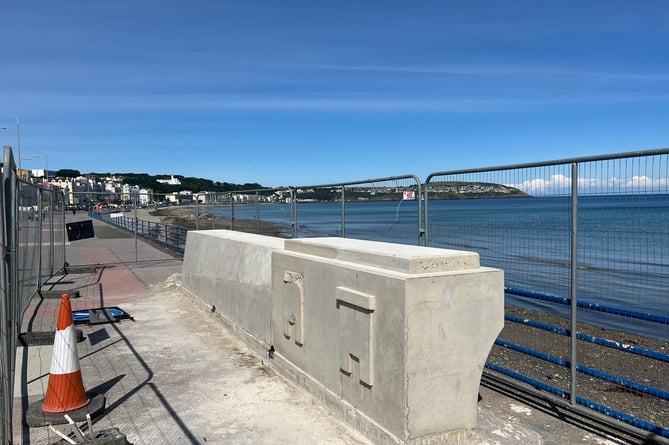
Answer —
623 244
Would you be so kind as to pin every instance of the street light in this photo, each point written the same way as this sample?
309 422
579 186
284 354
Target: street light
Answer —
46 164
27 158
18 137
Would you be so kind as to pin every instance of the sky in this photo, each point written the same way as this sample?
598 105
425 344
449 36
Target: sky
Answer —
315 92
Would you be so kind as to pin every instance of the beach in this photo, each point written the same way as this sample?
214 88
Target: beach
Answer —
185 216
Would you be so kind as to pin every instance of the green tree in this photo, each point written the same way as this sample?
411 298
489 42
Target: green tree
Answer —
68 173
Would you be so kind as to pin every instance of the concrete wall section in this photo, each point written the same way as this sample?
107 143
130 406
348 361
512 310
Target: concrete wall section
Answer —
231 272
454 320
394 338
352 332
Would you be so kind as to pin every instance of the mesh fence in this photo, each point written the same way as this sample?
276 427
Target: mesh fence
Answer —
264 211
385 209
591 234
56 226
623 269
32 236
30 219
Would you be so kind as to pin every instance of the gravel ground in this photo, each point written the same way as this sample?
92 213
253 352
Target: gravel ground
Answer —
184 216
645 371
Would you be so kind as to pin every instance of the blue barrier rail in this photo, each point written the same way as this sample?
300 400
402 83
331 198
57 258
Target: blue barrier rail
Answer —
631 420
625 383
167 235
589 305
590 338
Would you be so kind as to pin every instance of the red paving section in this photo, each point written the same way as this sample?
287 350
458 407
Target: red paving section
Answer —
111 285
119 283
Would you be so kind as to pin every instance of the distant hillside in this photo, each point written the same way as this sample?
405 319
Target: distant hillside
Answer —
187 183
437 190
468 190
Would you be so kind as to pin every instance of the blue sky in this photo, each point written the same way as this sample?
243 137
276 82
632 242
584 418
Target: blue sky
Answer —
310 92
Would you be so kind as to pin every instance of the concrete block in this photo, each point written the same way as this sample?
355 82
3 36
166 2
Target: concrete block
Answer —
231 273
396 257
392 338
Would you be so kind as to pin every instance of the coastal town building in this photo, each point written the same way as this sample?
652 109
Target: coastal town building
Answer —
171 181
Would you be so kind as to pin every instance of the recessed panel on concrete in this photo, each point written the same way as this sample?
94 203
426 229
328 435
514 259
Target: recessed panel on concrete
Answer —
356 334
292 308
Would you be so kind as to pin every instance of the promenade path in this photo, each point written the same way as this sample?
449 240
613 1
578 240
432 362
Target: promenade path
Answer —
175 375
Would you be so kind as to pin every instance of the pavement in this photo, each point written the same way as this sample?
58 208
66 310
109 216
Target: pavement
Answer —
175 375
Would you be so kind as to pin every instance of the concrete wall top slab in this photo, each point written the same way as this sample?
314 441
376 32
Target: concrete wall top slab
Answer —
263 240
397 257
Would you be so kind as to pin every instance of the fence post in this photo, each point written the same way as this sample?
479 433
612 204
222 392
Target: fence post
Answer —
52 233
343 212
293 213
9 301
574 290
62 227
257 212
232 212
135 229
38 218
197 212
426 218
421 229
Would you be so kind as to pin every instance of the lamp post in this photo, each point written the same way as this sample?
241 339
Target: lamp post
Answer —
18 137
46 164
28 158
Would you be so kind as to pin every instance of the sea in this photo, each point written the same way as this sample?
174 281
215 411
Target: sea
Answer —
622 245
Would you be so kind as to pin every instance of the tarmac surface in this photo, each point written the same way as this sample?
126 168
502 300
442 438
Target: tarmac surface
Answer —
175 375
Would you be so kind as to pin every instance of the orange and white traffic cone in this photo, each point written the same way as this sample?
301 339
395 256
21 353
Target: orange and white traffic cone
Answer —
65 391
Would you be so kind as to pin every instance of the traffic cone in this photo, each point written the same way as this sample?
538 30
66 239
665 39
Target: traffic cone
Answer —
65 391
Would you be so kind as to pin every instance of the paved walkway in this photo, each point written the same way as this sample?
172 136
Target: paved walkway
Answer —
175 375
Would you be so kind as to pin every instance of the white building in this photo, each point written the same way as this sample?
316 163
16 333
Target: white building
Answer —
65 184
171 181
145 196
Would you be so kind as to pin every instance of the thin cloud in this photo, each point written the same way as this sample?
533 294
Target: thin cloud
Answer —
489 70
384 68
560 184
63 101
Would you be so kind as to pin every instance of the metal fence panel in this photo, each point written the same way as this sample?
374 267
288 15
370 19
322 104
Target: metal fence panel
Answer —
32 239
623 266
526 236
262 211
586 262
384 209
6 331
56 227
